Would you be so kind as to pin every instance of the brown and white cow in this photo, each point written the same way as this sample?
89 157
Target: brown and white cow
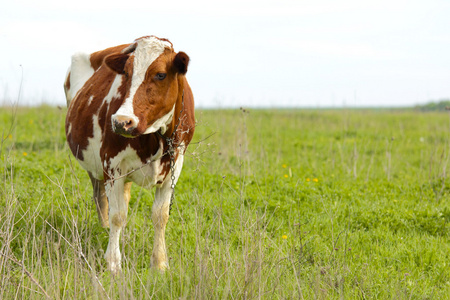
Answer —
126 105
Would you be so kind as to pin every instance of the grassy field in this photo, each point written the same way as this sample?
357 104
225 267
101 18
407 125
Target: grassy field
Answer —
271 204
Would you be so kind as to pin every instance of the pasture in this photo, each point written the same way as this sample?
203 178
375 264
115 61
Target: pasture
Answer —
271 204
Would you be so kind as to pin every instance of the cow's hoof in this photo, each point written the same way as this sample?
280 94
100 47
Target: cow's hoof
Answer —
114 268
113 262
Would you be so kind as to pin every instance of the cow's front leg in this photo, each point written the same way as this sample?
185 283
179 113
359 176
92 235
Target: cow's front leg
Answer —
118 196
160 216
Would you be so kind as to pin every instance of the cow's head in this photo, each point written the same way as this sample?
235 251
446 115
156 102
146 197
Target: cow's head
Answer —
152 73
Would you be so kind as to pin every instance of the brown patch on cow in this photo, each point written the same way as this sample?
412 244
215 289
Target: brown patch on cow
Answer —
102 115
165 162
146 146
119 219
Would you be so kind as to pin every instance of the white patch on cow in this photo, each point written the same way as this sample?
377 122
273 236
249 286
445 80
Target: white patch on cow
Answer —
69 130
162 122
182 147
80 71
128 162
122 162
147 51
91 155
114 90
90 99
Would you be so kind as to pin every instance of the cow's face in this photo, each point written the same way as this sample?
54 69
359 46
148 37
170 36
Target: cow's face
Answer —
151 70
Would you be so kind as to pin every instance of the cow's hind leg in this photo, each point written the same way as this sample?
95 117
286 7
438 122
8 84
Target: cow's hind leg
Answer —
100 199
160 217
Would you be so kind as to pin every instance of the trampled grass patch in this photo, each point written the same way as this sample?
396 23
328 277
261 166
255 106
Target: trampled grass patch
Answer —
273 204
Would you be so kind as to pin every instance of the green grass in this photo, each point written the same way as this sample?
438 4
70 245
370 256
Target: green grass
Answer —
276 204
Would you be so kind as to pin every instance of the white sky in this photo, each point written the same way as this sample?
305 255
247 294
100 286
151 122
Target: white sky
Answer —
243 53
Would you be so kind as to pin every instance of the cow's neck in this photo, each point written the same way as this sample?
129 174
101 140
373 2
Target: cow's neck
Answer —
173 129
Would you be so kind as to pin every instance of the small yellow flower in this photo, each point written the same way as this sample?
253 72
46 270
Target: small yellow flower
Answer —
10 136
284 236
284 166
316 180
286 175
25 154
307 179
31 121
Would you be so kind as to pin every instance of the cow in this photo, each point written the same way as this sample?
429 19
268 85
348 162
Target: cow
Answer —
130 119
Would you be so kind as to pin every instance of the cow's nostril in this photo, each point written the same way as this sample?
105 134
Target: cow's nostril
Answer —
129 124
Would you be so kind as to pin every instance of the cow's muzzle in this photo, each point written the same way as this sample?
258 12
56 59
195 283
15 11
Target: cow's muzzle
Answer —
123 125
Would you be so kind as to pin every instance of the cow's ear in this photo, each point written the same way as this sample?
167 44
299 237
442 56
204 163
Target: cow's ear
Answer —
180 62
116 62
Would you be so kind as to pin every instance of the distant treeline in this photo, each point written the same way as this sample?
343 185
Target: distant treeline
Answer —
442 105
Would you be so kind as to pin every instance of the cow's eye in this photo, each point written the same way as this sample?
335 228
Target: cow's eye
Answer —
160 76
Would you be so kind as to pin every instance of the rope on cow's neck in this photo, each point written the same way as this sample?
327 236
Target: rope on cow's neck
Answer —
170 141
